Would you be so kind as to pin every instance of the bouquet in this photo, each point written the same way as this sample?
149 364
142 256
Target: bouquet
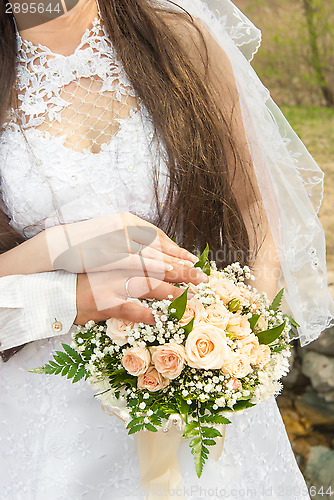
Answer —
223 350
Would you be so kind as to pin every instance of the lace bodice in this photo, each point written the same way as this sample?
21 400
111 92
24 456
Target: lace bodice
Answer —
80 137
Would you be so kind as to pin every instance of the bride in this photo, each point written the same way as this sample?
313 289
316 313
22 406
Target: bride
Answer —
125 123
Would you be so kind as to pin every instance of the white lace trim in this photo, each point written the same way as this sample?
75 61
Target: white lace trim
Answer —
58 93
80 171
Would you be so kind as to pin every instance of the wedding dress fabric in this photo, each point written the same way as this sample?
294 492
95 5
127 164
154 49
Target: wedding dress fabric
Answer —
55 441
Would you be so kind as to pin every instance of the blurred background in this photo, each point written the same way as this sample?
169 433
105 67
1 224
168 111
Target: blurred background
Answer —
296 63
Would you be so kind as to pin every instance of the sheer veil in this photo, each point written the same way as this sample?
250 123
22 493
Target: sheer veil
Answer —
290 181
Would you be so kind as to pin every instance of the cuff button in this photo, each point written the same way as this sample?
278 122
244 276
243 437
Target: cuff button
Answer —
57 326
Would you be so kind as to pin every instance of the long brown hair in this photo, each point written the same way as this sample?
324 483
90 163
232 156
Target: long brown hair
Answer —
200 205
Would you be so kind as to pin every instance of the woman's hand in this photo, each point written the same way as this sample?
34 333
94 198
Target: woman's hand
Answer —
117 241
105 295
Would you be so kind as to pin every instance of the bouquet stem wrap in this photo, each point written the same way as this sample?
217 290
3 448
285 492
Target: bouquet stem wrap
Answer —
158 461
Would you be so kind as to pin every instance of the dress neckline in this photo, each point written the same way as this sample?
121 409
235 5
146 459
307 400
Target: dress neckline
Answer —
38 48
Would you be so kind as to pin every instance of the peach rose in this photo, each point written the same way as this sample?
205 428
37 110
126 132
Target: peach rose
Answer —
206 347
136 360
246 294
225 288
249 346
236 384
116 330
169 359
152 380
237 365
239 325
263 355
217 315
194 309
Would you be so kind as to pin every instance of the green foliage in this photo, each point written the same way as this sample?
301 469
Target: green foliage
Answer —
200 452
217 419
179 304
278 348
242 404
203 435
203 261
268 336
253 320
188 327
292 321
276 303
121 378
234 305
69 363
183 407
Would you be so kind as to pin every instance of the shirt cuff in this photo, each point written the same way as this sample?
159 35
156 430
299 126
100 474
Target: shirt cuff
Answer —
36 306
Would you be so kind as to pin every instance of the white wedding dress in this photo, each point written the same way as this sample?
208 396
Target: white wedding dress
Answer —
55 441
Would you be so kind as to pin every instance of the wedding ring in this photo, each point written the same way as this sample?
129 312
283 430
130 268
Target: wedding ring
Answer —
127 289
141 246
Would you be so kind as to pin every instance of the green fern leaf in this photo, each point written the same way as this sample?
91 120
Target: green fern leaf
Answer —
216 419
210 432
151 428
72 371
136 428
199 458
62 358
65 370
81 373
50 370
41 370
73 353
209 442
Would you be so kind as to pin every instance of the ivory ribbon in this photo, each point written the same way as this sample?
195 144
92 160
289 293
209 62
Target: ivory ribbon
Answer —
158 462
157 455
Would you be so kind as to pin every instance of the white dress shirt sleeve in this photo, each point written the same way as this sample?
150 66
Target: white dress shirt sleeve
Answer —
36 306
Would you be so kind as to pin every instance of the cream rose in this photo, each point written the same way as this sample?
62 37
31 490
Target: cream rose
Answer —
217 315
237 365
169 359
246 294
136 360
194 309
263 355
239 325
206 347
116 330
249 346
152 380
225 288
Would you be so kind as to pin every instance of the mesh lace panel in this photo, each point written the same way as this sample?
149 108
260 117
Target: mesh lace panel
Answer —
80 98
